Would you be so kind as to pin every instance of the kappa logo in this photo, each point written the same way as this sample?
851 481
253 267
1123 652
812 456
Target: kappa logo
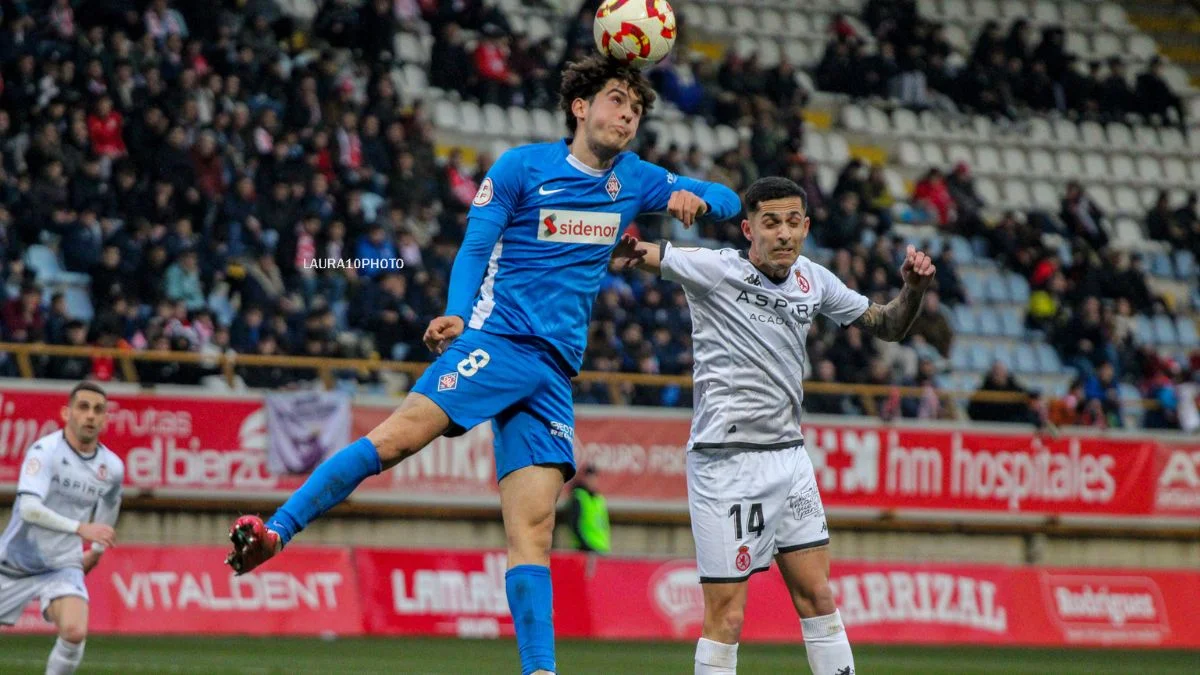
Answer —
742 561
804 285
848 670
484 196
448 381
613 186
753 279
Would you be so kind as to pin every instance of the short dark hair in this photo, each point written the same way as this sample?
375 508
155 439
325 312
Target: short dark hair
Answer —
585 78
87 386
773 187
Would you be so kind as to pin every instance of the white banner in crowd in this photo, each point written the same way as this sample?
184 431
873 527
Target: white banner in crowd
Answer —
305 428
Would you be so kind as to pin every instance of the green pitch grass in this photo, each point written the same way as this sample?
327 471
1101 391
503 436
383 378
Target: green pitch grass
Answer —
250 656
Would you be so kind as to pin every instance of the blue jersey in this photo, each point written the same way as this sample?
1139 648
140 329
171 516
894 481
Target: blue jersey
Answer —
540 235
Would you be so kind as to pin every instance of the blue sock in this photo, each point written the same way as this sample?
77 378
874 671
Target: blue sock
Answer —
531 602
327 487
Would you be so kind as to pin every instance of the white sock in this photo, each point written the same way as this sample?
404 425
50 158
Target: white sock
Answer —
65 657
715 658
827 646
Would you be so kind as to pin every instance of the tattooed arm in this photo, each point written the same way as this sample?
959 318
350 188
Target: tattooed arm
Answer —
891 322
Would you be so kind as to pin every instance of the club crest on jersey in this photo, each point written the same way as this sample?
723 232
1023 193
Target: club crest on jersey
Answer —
484 196
613 186
804 285
102 472
448 381
33 466
743 558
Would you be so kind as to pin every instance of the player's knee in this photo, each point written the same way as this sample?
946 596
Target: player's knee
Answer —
533 533
726 622
404 434
819 596
73 631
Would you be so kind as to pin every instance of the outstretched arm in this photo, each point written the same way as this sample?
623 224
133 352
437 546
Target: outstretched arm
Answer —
630 253
891 322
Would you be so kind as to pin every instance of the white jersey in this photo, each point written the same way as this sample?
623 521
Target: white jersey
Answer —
69 484
749 338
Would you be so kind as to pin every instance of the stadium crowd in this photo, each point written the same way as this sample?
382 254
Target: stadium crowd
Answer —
192 167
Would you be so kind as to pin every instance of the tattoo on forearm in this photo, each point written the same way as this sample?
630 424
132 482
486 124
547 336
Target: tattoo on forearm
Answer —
892 321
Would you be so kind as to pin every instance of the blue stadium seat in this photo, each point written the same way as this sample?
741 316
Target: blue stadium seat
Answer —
1012 322
1004 354
79 304
1160 265
1048 359
989 322
981 248
1143 332
963 253
995 288
1018 288
1185 265
980 356
960 356
1185 327
965 322
1024 359
973 285
44 262
1131 402
1164 331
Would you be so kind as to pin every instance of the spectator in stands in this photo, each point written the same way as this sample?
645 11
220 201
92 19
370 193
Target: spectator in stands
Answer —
968 205
1188 219
183 281
1157 98
843 227
1082 217
932 195
1116 96
71 367
877 201
1101 387
24 318
998 379
819 403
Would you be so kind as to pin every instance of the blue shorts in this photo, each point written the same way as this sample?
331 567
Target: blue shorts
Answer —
520 384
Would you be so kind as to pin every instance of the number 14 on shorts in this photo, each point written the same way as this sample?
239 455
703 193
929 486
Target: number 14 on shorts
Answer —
754 520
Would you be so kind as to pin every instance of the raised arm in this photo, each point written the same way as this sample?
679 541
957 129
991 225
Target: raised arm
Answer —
891 322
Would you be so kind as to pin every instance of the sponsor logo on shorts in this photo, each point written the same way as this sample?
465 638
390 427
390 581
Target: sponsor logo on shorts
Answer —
578 227
484 196
742 561
560 430
448 381
805 505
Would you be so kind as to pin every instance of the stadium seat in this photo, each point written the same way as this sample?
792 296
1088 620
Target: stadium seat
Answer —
79 303
1069 166
1012 322
1091 135
1045 197
980 357
471 118
1111 15
932 153
1039 132
960 356
853 118
957 152
1185 329
1149 170
1094 166
445 115
984 10
965 322
797 24
1146 138
1107 45
1143 331
839 149
1045 12
1128 233
1185 266
1015 163
1102 197
1066 132
1160 265
905 122
1164 331
1041 163
989 323
1126 200
727 137
1048 359
988 192
1018 289
1024 359
895 184
521 121
1175 172
1119 135
544 124
988 160
1003 353
1123 168
1148 196
910 154
495 121
973 285
1078 44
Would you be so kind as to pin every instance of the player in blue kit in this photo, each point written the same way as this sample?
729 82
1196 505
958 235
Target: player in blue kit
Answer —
541 232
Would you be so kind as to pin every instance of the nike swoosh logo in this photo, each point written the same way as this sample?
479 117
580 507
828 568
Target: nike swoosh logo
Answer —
543 191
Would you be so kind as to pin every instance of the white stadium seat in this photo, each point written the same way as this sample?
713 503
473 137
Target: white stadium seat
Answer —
1094 166
1106 45
853 118
521 121
895 184
1112 15
815 147
988 160
1039 133
958 152
1041 163
1045 12
1141 47
1122 167
987 190
1066 132
1091 135
910 154
1146 138
1015 163
1175 171
1119 135
471 118
905 122
984 10
1045 197
1069 166
839 149
1149 170
1172 140
1126 199
1102 197
932 152
1016 194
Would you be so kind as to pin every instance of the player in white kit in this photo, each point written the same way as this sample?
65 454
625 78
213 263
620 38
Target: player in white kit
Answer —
752 493
69 492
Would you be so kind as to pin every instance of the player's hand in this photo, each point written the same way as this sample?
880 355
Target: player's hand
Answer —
91 558
917 270
626 254
442 331
98 533
686 207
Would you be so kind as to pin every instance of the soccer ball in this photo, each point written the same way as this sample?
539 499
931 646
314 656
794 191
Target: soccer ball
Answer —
641 32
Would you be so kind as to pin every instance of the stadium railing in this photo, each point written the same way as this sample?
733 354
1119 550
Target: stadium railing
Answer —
228 363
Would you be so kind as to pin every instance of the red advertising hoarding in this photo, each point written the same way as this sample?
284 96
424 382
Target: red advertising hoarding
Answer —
219 444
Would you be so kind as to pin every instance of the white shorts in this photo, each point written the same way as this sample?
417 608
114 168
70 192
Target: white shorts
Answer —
16 592
748 505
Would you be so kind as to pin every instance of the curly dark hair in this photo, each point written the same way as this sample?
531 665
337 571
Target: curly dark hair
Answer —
584 79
